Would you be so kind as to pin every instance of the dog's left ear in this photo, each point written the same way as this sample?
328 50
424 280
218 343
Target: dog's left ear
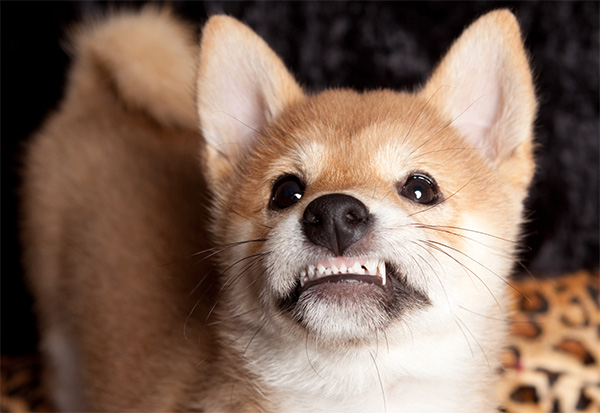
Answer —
484 87
242 85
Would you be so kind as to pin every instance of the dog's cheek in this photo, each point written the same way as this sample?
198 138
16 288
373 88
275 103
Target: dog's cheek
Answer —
285 254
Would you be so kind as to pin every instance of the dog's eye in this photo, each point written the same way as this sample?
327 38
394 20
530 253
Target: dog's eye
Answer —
421 189
286 192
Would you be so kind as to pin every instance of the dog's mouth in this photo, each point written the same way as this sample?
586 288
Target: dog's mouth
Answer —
344 270
350 298
361 282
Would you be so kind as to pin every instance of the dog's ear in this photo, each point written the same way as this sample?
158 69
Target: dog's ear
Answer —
242 86
484 87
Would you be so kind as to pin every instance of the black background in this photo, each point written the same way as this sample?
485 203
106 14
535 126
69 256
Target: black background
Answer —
363 45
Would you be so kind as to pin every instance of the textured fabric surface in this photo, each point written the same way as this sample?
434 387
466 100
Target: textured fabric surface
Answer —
551 363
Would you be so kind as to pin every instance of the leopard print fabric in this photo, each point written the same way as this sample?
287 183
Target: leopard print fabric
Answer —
550 365
20 386
552 362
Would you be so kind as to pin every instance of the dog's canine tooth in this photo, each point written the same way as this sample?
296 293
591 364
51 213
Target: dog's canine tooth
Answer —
381 270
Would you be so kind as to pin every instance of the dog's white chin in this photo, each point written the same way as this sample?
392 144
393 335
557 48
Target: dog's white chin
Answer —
343 311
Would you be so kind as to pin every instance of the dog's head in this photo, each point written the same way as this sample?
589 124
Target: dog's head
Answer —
346 214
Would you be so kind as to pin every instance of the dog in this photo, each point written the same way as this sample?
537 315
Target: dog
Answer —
201 234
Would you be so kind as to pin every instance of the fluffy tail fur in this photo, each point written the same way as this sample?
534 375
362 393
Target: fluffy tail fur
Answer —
147 58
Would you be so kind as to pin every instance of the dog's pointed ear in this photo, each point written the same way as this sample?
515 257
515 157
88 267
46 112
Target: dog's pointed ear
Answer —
242 85
484 87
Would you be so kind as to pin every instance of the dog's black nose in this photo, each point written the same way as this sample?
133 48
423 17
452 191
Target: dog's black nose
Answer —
335 221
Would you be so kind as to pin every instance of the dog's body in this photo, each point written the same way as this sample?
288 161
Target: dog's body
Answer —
342 251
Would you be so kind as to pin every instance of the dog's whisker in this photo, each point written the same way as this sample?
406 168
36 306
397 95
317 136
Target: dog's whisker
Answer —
445 199
380 382
185 324
218 249
308 356
200 299
231 280
460 148
459 320
434 271
233 317
462 265
208 273
446 125
247 269
506 320
447 228
387 341
420 113
253 337
464 335
504 280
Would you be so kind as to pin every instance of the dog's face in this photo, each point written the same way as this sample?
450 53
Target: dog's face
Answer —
349 215
362 217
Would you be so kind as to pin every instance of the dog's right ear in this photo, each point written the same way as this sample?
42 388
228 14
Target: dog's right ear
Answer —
242 85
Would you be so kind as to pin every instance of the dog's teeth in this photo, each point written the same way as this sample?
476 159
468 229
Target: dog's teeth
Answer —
361 266
372 267
381 272
367 266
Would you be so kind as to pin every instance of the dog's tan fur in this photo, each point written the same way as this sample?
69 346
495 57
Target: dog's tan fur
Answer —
116 207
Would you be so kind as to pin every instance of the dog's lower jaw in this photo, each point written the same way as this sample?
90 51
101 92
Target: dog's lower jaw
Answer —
401 359
346 310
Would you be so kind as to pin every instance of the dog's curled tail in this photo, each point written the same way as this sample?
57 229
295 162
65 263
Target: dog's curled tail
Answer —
147 58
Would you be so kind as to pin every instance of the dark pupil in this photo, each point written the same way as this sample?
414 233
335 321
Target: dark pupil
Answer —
419 189
287 192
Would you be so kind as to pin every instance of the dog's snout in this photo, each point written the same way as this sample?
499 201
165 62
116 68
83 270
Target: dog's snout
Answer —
336 221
